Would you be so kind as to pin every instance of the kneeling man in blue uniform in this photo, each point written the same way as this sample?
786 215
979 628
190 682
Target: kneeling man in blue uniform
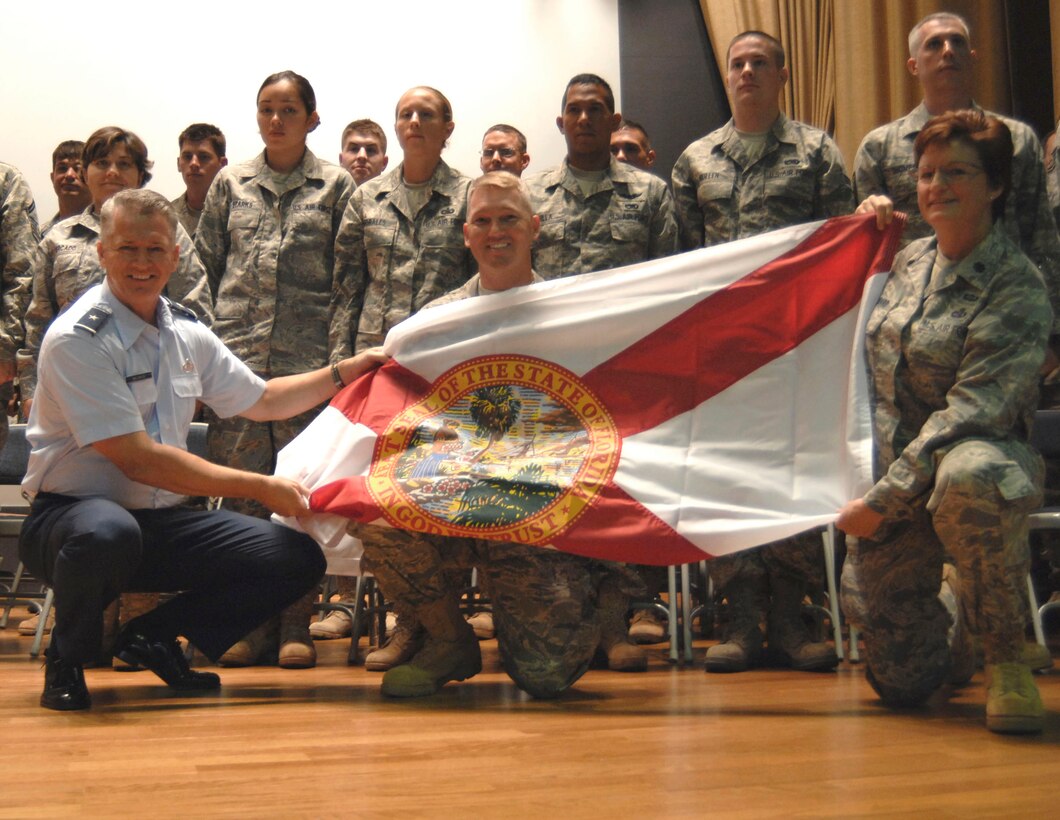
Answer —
109 473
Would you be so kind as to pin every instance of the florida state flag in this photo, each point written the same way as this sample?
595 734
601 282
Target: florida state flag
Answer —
660 413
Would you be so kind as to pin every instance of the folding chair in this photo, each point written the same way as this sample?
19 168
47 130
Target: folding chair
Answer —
1046 439
13 461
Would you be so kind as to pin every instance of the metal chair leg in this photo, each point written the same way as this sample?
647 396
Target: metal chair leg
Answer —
45 611
355 621
686 612
828 537
671 578
1036 612
16 581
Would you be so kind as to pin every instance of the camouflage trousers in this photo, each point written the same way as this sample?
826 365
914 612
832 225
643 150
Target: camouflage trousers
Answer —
799 557
543 600
251 445
976 516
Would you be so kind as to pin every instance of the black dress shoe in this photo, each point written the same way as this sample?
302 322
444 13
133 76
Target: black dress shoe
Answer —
64 685
165 659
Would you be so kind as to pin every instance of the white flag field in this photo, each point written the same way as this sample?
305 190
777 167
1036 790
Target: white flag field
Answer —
659 413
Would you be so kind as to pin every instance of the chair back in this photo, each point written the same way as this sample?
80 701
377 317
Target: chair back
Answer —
1046 433
15 456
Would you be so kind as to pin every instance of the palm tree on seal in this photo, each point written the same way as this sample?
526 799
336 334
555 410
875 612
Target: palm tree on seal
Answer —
495 410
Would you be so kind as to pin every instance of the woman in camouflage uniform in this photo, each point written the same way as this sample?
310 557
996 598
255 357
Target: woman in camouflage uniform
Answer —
266 237
955 345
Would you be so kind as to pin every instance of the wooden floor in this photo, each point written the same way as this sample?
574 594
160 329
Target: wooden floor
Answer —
673 742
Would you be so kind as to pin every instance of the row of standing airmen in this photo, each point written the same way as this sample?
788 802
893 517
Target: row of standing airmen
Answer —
284 240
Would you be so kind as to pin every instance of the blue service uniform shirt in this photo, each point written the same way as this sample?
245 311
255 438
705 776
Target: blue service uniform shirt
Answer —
104 372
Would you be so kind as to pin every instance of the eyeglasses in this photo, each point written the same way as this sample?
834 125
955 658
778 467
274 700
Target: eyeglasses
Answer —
506 153
950 174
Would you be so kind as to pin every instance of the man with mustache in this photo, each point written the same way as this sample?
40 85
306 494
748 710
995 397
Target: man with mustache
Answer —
70 189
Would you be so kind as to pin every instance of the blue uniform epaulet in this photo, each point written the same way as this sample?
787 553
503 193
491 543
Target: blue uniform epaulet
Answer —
94 319
181 310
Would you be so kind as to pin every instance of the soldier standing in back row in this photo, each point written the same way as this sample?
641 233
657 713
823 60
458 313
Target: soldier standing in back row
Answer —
66 262
266 237
759 172
596 214
941 57
202 155
18 243
401 245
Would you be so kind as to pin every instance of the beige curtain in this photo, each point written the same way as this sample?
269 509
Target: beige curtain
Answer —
848 57
872 45
804 28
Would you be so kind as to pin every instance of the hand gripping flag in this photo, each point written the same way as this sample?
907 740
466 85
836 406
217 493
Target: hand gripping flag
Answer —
659 413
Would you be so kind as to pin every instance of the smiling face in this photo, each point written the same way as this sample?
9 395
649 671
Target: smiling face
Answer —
420 123
139 254
105 176
283 120
952 188
500 231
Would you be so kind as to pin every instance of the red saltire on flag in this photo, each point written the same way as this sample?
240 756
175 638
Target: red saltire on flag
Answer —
659 413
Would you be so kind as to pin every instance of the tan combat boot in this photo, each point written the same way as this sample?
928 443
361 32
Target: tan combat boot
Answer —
29 625
450 652
790 643
611 607
1033 655
1013 704
337 623
482 625
647 626
296 644
742 646
401 645
251 648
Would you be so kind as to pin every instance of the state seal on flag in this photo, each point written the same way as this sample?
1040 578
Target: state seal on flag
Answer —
510 448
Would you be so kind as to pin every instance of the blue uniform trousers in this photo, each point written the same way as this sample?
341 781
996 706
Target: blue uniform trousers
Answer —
232 571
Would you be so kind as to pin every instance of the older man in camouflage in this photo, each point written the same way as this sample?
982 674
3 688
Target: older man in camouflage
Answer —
543 601
18 243
942 59
759 172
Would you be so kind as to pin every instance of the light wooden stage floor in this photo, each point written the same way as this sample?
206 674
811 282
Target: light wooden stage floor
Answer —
671 742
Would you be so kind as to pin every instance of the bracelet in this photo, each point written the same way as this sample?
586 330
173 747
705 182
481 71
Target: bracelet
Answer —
336 376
